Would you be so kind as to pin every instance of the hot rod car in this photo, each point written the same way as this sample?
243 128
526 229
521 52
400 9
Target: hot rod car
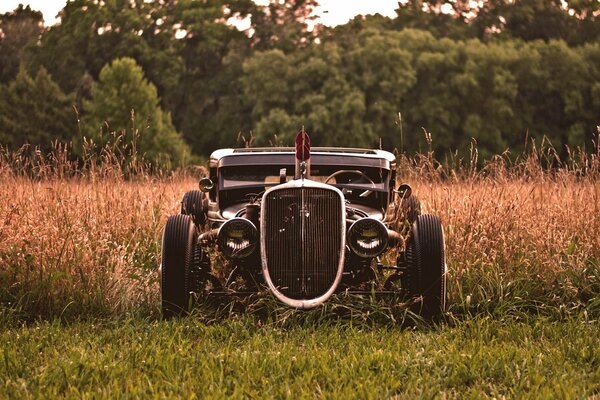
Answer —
303 224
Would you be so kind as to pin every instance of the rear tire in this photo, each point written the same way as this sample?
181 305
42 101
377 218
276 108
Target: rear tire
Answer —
178 251
191 205
411 208
426 262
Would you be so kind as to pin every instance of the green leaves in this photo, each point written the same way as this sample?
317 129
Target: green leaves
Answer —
333 89
18 29
124 101
34 110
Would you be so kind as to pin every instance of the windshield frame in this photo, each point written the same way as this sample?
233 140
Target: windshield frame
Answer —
380 177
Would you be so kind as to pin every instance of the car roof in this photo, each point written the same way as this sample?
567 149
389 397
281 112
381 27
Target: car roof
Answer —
319 156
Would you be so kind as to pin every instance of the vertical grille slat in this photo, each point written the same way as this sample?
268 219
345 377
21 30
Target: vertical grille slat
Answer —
302 239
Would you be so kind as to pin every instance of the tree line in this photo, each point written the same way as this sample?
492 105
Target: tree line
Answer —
177 78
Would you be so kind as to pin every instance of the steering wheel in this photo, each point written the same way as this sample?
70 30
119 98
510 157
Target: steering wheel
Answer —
355 172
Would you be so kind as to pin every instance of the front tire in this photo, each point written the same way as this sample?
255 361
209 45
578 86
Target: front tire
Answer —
426 259
178 250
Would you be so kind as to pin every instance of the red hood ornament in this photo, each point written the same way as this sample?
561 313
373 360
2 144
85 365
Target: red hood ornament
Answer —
302 155
302 146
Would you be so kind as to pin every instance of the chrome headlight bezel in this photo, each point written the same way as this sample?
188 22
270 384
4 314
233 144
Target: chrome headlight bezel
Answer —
237 238
368 237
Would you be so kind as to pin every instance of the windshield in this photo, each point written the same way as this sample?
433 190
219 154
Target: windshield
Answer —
266 176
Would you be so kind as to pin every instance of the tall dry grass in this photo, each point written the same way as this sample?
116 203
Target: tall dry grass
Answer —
83 238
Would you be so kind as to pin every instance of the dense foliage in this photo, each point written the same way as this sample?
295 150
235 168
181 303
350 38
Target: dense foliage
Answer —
35 110
497 71
124 101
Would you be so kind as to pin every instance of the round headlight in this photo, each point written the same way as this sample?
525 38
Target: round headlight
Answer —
368 237
237 238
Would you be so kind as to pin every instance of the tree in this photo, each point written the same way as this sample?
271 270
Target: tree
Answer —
428 15
123 101
17 29
308 89
470 70
575 21
283 24
207 104
35 111
186 48
92 33
345 92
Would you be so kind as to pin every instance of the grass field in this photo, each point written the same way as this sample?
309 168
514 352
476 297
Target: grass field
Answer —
479 357
80 245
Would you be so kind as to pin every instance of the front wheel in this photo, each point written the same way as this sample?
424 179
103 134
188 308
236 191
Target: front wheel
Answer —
176 277
426 265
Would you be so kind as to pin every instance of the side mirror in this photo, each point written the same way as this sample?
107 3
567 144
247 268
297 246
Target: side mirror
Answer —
404 191
206 185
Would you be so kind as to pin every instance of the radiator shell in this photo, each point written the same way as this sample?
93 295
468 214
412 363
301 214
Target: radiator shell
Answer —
303 241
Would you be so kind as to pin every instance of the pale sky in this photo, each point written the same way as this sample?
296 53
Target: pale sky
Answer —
341 11
338 11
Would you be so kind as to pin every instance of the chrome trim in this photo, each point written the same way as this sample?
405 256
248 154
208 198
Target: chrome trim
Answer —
340 151
304 303
382 227
232 220
278 156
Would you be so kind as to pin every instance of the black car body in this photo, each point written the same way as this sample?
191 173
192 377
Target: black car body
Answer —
304 223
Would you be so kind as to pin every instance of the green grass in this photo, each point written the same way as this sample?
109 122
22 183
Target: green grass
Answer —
246 357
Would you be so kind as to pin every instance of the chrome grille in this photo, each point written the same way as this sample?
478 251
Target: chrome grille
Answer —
303 239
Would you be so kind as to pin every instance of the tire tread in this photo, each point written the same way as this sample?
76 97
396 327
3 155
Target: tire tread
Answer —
430 256
178 249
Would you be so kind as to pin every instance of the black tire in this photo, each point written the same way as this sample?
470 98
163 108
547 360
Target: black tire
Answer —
426 266
411 208
191 205
409 278
178 250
